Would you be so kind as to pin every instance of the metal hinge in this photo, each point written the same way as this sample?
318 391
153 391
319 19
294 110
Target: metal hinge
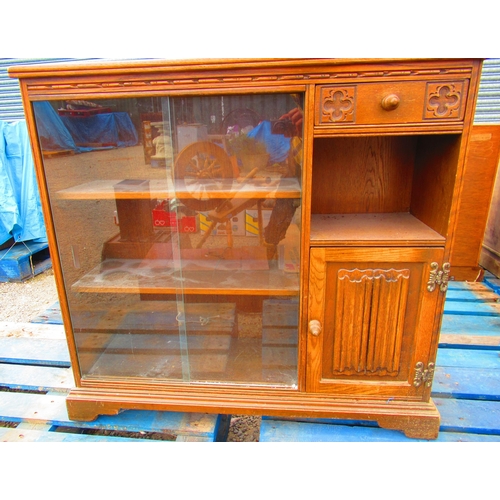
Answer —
422 375
439 278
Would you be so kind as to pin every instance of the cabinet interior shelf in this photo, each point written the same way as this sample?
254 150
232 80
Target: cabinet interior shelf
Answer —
376 229
262 187
147 276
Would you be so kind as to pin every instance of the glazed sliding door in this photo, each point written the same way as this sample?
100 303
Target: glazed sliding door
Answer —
178 227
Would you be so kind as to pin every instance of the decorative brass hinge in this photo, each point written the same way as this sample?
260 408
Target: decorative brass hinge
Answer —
439 278
423 376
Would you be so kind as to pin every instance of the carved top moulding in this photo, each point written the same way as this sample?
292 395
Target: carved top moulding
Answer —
153 75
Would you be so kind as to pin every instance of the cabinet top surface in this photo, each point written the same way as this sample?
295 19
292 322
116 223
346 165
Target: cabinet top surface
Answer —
232 65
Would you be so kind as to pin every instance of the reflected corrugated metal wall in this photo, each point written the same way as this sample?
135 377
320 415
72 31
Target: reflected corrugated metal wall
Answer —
11 106
488 100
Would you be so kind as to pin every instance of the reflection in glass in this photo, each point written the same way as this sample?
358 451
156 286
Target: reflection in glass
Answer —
178 227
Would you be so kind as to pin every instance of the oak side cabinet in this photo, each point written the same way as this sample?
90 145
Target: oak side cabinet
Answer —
253 236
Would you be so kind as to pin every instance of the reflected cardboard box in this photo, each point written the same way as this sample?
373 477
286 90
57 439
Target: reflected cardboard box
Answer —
237 225
252 221
163 219
187 134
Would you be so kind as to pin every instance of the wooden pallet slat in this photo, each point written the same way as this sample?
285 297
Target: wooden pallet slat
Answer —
51 316
469 416
35 351
472 308
475 296
20 435
291 431
40 378
456 341
35 408
492 281
471 325
51 409
466 383
468 358
466 285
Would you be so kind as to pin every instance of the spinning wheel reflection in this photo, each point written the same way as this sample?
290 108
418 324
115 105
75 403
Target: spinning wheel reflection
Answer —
201 170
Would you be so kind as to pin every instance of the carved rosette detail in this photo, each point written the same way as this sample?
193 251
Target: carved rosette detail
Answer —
369 321
444 100
338 104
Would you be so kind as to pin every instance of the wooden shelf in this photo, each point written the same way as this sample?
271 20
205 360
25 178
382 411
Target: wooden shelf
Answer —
269 187
159 276
153 317
394 229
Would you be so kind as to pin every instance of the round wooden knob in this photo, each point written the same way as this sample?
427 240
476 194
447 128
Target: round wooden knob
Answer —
315 327
390 102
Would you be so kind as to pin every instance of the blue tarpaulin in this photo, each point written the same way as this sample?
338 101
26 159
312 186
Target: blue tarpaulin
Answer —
52 133
82 134
21 215
105 129
277 145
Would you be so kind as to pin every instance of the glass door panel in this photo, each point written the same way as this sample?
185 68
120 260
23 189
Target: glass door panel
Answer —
178 230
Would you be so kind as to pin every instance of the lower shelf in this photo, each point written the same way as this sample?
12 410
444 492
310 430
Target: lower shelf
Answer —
202 342
157 276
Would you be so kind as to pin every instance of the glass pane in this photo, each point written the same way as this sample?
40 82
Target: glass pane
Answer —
178 226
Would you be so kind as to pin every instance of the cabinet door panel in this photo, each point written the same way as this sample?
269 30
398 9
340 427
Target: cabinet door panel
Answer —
377 319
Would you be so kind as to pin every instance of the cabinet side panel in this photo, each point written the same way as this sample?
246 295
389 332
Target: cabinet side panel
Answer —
434 180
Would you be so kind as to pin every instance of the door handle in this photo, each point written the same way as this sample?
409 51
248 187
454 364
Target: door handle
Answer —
315 327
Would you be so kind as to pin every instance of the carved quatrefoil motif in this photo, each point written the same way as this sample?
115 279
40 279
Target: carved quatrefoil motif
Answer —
338 105
444 100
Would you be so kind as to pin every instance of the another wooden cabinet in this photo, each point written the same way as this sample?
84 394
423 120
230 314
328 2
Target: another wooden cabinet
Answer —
478 200
310 285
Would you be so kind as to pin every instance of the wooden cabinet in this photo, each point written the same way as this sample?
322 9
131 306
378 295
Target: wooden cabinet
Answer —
478 201
311 284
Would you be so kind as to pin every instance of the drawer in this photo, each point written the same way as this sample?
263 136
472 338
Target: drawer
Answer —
384 103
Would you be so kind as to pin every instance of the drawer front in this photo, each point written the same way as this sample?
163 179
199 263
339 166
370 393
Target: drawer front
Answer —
407 102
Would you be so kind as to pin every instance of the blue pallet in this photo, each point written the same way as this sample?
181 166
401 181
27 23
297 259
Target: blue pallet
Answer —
34 351
23 261
293 431
35 379
51 316
466 386
493 282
